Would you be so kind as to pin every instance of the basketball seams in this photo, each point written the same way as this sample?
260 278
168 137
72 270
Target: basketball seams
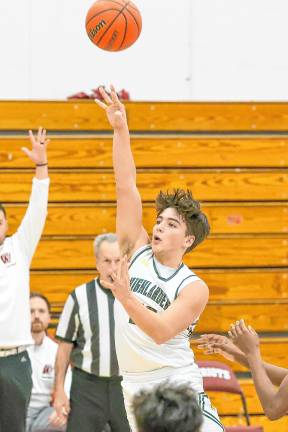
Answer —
112 22
125 32
99 13
133 6
139 30
113 1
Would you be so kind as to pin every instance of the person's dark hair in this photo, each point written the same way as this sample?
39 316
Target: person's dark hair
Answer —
189 209
167 408
36 294
2 209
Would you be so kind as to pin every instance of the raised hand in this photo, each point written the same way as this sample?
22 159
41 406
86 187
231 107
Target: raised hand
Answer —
115 110
38 152
120 282
244 337
218 344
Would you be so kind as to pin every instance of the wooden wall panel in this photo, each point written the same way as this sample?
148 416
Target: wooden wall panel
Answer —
80 115
100 187
148 151
264 317
73 219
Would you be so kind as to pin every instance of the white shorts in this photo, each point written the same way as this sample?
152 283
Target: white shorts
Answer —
133 383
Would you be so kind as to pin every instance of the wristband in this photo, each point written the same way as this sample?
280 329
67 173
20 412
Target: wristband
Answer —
41 164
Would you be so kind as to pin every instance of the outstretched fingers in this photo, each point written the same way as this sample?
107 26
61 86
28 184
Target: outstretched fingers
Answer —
114 95
32 138
42 136
26 151
39 134
39 139
252 331
243 326
107 284
101 104
105 96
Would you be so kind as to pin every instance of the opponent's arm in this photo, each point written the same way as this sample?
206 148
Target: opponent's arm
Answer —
219 344
274 402
131 234
165 325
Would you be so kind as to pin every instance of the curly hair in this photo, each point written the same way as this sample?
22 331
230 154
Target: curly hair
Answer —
167 408
189 209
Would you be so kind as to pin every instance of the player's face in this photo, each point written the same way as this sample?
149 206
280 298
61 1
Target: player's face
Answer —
40 317
3 227
169 233
108 260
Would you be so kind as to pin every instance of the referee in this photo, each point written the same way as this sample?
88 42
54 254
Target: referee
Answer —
86 335
16 253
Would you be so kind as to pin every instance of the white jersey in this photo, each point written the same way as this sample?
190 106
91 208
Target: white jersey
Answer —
156 286
16 254
43 373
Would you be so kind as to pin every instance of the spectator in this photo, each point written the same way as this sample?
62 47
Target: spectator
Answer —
41 415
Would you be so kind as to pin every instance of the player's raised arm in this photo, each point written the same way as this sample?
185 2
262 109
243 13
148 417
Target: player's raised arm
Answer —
130 231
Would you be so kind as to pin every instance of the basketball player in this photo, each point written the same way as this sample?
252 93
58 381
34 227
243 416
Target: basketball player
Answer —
41 416
243 346
158 308
168 408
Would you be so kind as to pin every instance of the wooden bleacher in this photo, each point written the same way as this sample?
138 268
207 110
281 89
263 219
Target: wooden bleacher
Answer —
234 156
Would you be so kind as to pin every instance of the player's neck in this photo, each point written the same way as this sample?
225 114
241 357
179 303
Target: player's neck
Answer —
167 259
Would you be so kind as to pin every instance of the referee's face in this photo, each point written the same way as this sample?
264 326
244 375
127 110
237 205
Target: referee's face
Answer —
3 227
108 260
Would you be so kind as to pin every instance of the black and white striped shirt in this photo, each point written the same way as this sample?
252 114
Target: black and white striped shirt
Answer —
87 321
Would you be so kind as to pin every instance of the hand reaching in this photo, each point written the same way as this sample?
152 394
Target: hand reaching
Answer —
38 153
218 344
245 338
115 110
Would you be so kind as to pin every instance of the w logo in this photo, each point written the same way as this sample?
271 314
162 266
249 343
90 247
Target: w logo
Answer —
6 258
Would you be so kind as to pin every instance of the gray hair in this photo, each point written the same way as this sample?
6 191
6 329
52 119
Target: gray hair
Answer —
109 237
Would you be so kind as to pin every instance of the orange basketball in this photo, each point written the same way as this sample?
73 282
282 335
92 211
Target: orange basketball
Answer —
113 25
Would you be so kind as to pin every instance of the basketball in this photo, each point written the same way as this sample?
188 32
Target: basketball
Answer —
113 25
